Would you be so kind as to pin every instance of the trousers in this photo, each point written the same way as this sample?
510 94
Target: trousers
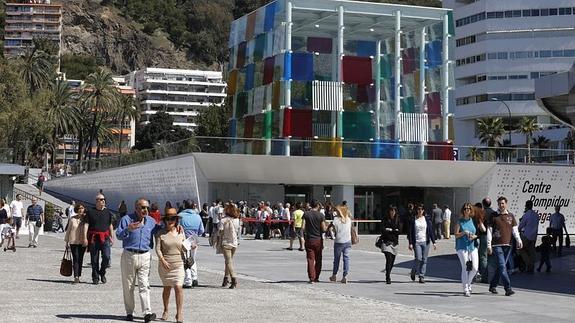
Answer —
136 266
78 252
340 249
313 250
421 250
97 248
191 274
229 261
467 276
34 231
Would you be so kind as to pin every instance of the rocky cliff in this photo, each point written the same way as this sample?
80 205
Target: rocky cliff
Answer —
102 32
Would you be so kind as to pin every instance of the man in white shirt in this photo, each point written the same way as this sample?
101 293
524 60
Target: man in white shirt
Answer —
70 210
446 216
286 216
16 207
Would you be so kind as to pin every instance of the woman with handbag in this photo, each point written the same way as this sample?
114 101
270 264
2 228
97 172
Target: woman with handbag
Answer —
342 227
390 239
421 238
169 248
465 236
227 242
76 239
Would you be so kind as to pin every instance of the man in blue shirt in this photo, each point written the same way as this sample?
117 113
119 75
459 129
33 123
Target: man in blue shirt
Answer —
137 234
528 229
193 226
34 213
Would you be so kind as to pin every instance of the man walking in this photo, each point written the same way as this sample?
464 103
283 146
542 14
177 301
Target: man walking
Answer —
193 227
136 232
501 229
528 231
16 208
437 218
34 213
446 221
100 238
557 225
313 226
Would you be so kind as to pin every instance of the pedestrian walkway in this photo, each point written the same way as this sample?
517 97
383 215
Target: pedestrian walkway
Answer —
272 288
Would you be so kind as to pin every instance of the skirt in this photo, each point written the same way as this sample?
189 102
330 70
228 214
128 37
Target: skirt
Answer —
175 275
392 249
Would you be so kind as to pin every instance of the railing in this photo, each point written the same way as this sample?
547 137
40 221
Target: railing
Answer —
29 196
335 148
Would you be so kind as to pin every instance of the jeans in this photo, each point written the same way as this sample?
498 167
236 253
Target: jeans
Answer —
313 250
95 249
338 250
499 258
467 276
483 257
229 262
421 250
259 230
191 274
77 258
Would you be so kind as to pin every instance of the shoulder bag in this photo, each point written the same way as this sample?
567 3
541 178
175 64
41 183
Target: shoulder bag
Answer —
66 264
567 241
354 236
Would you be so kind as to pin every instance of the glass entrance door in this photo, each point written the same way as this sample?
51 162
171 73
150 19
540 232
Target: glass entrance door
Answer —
363 210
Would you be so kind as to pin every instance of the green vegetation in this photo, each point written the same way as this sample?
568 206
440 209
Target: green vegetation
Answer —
202 26
160 130
78 67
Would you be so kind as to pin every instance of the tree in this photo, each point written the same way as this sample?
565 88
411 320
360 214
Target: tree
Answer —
61 113
475 154
126 111
490 131
528 126
36 69
78 67
569 141
101 97
160 130
541 142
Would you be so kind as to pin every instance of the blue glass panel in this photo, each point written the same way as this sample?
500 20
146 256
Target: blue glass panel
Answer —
385 149
270 15
287 66
302 67
365 48
250 70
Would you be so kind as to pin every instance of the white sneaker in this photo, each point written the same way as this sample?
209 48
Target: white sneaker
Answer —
467 294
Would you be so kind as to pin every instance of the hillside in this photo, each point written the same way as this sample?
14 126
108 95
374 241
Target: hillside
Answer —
129 34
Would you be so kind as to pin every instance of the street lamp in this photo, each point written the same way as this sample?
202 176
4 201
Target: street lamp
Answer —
508 119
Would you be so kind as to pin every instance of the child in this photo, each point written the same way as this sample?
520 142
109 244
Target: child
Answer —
545 250
8 234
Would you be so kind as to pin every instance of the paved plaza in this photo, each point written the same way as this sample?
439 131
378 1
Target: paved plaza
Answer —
273 287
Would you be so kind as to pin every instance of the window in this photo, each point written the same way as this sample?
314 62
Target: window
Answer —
562 11
526 13
481 78
553 11
545 53
502 55
499 14
569 53
544 12
490 15
516 13
557 53
508 14
568 11
492 56
534 75
535 12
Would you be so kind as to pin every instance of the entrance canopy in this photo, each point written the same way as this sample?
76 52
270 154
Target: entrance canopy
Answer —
556 94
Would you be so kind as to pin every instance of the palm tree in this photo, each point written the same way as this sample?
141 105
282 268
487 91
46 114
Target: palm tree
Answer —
490 131
569 141
541 143
36 69
100 96
528 126
61 114
125 111
475 154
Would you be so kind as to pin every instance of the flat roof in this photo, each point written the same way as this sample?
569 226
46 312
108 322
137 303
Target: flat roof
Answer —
12 169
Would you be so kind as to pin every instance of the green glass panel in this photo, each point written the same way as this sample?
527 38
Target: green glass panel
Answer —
357 126
268 119
408 104
451 27
260 46
386 66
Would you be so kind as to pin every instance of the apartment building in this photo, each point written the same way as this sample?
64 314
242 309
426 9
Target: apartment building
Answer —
181 93
26 20
501 48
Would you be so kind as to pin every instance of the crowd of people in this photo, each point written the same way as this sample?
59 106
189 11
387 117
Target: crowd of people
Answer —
484 238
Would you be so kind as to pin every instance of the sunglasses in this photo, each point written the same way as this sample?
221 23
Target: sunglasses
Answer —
171 219
100 199
144 207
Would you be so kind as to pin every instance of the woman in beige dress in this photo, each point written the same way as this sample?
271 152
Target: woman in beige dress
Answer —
228 242
169 247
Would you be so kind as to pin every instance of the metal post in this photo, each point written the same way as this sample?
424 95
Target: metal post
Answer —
287 83
445 80
340 30
378 90
397 62
422 89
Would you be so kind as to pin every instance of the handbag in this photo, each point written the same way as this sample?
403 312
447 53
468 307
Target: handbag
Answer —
567 241
354 236
66 264
379 242
39 223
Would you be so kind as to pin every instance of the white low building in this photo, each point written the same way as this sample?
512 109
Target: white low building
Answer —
180 93
501 48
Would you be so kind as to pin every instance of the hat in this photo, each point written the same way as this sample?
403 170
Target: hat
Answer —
170 213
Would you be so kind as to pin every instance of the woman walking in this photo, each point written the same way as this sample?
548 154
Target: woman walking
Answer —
390 235
465 247
342 245
420 240
227 242
169 248
481 231
76 239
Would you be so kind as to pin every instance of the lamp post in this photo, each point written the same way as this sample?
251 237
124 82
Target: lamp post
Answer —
508 119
